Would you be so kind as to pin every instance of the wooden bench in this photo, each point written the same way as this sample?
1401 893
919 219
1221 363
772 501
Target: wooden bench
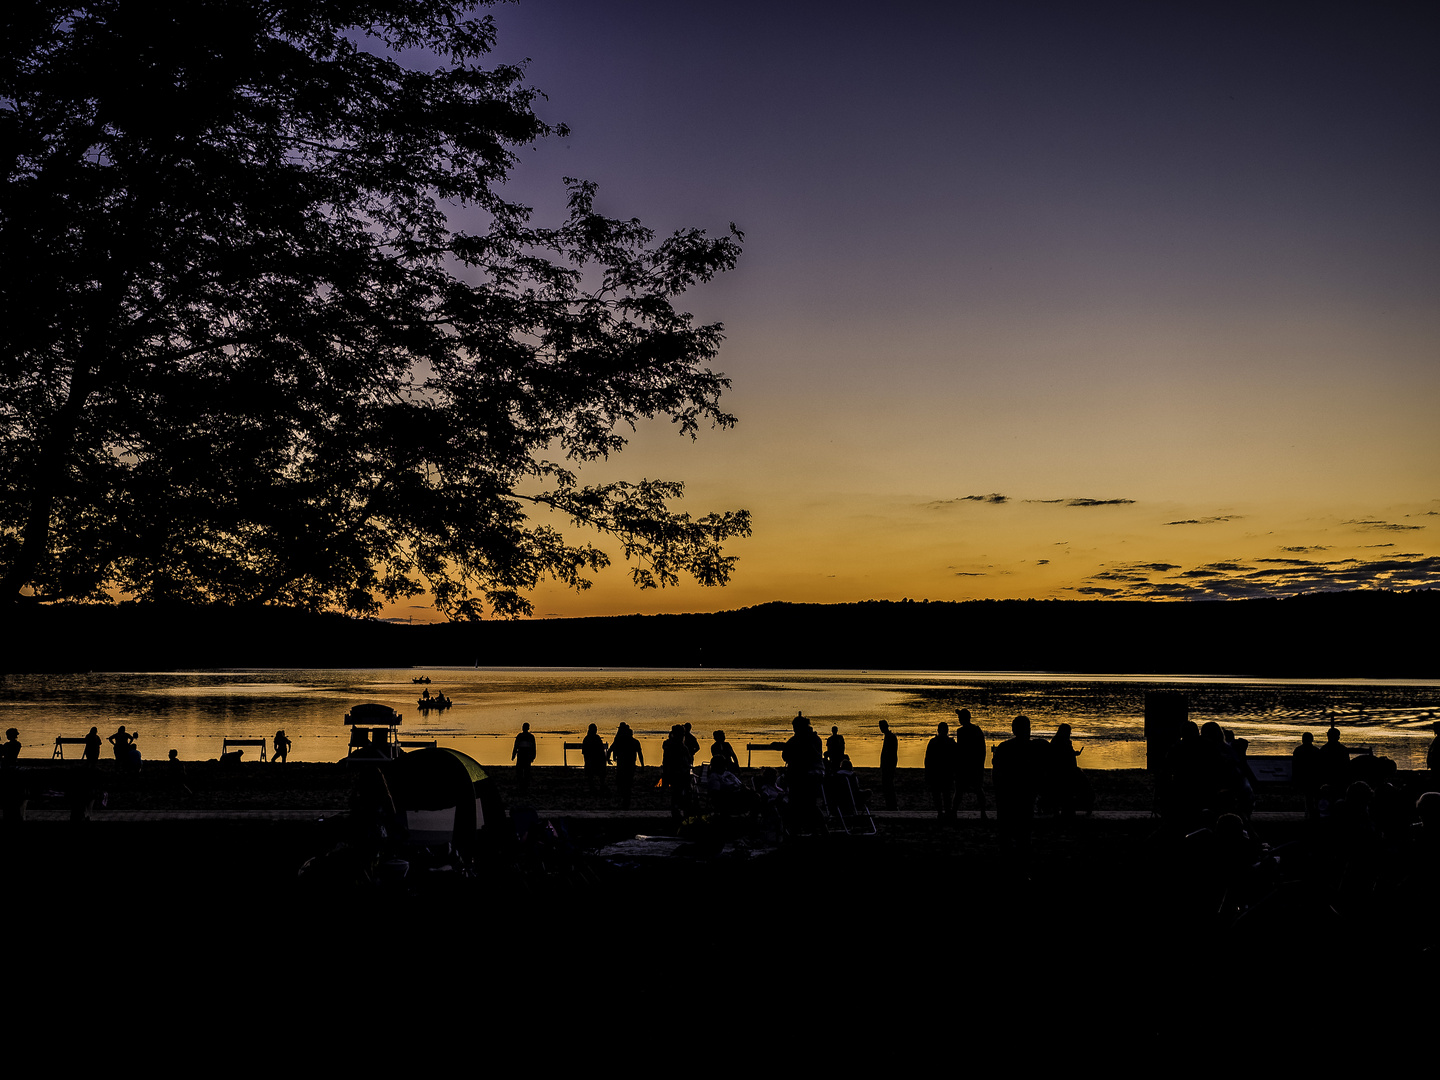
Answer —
60 742
228 742
751 747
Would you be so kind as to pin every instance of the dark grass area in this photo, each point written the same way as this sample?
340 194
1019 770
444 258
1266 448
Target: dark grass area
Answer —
1101 928
317 786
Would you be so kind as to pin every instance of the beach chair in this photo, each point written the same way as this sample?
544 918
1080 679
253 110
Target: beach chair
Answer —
848 804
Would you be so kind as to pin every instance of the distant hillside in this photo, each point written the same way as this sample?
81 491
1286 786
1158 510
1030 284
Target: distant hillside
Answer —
1356 634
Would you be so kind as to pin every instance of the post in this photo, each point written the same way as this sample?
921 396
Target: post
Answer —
1166 712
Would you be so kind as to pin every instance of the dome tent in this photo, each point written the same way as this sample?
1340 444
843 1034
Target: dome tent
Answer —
445 797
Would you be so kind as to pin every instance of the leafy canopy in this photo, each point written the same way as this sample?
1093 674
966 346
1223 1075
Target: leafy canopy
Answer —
270 332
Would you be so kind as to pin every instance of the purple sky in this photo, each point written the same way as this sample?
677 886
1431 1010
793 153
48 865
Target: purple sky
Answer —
1180 256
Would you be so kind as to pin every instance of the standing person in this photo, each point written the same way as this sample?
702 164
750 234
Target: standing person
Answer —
834 750
1334 760
970 761
1305 772
691 743
940 772
121 741
91 756
1065 771
592 751
1019 767
625 751
675 763
12 791
523 755
889 762
804 768
282 747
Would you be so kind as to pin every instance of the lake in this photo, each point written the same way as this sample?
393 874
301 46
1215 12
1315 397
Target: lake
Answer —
191 711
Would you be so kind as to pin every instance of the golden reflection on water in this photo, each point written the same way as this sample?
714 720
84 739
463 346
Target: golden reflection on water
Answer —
193 711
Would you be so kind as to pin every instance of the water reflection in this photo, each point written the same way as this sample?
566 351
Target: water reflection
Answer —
193 711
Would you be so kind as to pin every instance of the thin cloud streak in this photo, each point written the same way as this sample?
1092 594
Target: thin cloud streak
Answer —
1278 577
996 499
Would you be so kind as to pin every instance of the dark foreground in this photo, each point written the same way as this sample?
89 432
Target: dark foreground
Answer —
1105 936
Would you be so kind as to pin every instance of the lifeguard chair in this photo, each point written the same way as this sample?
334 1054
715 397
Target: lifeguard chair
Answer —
377 737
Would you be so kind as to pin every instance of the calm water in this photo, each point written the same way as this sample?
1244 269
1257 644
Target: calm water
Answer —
192 711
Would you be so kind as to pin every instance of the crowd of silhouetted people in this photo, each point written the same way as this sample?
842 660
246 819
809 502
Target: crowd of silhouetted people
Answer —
1368 844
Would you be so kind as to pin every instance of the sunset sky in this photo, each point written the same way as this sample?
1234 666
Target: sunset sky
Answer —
1037 300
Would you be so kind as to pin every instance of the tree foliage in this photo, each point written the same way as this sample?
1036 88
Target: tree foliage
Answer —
271 333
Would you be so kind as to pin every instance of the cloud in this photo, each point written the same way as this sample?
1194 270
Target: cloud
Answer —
1370 524
1042 562
1271 577
1305 549
993 499
969 573
1207 520
1085 502
996 499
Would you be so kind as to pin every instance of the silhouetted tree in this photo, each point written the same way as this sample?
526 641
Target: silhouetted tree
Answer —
271 334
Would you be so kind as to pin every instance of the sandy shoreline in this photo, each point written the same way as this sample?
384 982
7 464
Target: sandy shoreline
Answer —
306 789
312 787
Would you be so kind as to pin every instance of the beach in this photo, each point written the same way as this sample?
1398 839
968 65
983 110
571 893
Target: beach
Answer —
298 790
1099 922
